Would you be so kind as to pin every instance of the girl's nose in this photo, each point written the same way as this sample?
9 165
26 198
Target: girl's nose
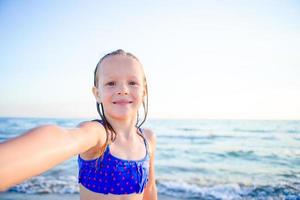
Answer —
125 93
123 90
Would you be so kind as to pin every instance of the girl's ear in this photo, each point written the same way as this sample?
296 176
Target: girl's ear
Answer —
144 95
144 92
96 94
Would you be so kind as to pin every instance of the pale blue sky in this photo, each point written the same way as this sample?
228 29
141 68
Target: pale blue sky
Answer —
203 59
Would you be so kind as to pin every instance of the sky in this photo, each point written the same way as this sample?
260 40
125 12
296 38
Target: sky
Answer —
202 59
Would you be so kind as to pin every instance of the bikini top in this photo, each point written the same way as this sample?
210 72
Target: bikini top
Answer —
114 175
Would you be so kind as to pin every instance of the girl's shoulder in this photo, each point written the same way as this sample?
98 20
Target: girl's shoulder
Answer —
150 137
93 131
92 127
148 133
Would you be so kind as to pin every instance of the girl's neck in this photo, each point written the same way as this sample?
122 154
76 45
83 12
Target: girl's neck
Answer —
124 128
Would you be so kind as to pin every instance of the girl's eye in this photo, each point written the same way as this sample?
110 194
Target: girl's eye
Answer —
132 83
111 83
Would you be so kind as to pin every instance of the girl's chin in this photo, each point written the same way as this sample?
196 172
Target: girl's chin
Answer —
122 115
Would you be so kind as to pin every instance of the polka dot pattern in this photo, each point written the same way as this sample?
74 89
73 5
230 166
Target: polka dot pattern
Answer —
114 175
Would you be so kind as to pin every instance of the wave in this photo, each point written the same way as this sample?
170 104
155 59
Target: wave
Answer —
254 130
242 154
293 131
193 137
189 129
48 185
178 189
171 169
229 191
265 130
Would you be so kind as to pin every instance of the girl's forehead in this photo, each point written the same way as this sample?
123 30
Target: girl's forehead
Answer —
120 65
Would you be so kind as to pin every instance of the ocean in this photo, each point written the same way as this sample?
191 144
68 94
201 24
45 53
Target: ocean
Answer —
195 159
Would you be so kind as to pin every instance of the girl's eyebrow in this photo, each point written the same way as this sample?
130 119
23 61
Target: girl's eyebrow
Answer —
132 77
109 77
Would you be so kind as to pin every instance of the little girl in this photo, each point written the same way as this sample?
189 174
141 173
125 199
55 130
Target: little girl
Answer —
115 156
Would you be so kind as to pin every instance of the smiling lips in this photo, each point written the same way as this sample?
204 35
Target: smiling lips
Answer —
122 102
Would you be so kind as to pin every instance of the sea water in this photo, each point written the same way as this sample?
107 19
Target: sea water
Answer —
195 159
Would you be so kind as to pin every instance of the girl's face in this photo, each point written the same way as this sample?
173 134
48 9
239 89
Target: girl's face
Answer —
120 86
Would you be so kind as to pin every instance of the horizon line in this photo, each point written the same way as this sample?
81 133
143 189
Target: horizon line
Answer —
152 118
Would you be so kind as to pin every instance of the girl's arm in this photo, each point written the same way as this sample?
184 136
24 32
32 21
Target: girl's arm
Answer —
42 148
150 192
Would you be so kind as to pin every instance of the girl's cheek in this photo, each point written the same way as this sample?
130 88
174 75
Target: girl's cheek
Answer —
108 91
139 95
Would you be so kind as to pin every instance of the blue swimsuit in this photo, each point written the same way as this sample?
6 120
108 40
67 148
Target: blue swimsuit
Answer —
114 175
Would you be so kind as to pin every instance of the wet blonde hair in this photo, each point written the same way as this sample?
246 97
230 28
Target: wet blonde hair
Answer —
110 132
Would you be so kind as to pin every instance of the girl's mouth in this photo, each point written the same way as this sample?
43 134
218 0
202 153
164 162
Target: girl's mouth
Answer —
122 102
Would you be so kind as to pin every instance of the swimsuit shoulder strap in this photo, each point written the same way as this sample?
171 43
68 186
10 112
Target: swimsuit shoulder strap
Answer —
98 120
145 140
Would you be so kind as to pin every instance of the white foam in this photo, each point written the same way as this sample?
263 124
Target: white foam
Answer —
49 185
222 191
